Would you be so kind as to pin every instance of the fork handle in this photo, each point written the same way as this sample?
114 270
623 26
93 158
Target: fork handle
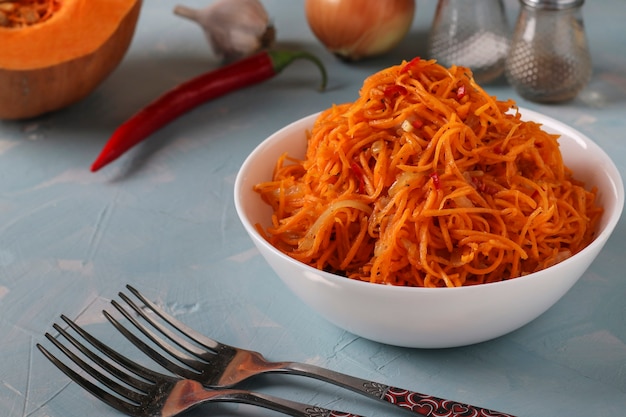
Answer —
421 404
292 408
196 395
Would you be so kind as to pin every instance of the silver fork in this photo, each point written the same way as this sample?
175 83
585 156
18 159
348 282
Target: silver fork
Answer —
218 365
141 392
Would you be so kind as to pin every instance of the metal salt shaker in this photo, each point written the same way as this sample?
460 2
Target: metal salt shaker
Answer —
471 33
549 59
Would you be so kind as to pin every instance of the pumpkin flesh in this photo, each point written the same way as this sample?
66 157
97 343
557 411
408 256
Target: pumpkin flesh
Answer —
56 62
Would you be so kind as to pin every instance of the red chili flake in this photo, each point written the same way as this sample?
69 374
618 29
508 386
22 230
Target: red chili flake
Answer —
461 92
489 190
410 65
394 90
497 150
358 171
436 181
484 188
417 123
480 186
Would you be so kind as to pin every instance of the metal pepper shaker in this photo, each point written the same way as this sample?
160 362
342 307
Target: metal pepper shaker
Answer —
549 59
471 33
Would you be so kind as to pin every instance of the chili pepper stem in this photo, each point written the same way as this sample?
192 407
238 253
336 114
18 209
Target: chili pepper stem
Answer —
282 59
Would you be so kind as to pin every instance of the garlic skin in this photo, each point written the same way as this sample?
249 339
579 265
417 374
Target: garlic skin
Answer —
358 29
233 28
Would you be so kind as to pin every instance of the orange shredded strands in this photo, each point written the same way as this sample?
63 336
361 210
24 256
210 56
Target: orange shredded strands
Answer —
425 180
21 13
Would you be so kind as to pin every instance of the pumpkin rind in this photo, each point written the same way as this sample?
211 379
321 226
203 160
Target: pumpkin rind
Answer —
56 63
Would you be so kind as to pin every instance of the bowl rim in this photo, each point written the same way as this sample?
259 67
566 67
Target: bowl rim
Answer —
610 168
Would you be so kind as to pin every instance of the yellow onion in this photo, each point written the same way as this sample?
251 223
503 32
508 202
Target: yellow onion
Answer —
356 29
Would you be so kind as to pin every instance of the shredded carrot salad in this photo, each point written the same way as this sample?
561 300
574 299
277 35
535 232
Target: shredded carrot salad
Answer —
425 180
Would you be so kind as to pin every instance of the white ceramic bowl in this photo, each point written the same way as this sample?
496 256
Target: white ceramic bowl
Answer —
429 317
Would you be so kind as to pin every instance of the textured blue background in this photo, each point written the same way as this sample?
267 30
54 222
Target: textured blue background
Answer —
162 218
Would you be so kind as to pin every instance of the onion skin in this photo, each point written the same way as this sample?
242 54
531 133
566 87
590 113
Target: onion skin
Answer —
357 29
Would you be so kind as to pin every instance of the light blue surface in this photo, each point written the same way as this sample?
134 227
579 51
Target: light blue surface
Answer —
162 218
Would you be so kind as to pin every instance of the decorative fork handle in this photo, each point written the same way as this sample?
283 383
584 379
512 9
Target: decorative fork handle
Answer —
422 404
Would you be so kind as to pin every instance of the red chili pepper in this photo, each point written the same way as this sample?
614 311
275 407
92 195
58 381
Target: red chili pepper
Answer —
393 90
436 181
245 72
410 65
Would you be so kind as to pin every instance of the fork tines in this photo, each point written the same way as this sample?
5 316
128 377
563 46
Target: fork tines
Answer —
190 351
127 383
180 327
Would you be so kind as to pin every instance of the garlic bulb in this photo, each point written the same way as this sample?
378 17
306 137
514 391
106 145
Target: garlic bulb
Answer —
234 28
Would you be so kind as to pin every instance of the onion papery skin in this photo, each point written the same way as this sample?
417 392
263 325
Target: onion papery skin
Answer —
358 29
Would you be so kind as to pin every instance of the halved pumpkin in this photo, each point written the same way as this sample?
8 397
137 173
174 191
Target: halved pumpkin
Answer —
54 62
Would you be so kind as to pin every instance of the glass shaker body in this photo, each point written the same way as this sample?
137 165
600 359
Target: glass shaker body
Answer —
470 33
549 59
